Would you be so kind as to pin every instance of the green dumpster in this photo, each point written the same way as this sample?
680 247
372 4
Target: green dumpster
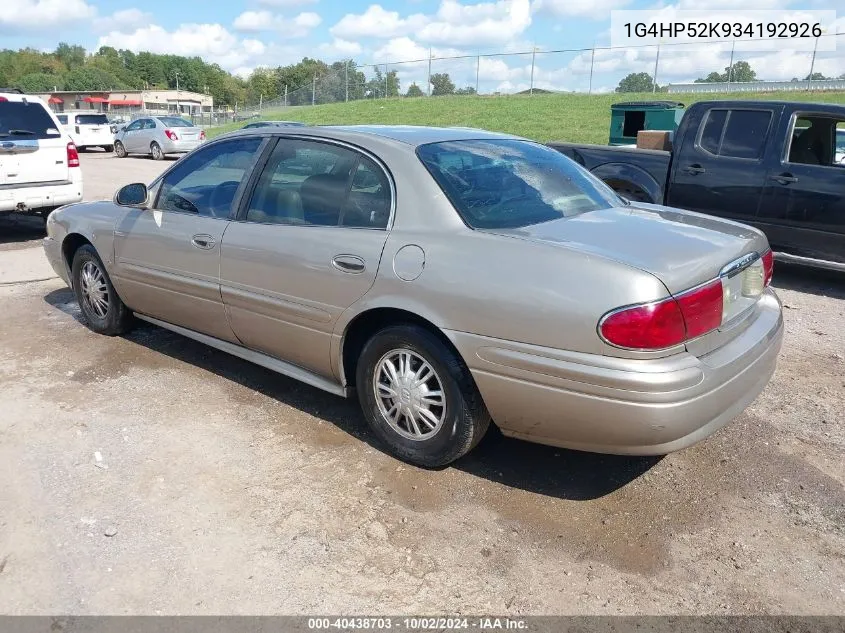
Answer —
626 119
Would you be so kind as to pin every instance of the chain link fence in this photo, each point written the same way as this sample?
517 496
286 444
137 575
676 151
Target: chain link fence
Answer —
648 68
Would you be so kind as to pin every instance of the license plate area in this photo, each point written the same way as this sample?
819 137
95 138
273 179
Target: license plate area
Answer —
742 286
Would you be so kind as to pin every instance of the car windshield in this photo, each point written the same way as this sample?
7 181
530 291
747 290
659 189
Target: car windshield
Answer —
26 120
174 121
506 183
92 119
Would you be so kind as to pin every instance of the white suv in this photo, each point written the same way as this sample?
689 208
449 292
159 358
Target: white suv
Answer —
88 129
39 164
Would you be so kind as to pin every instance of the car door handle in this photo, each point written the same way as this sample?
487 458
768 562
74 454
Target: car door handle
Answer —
348 263
784 179
205 242
694 170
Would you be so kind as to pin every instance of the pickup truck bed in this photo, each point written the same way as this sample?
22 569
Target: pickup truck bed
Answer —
769 164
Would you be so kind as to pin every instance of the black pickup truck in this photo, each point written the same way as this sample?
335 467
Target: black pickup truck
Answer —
774 165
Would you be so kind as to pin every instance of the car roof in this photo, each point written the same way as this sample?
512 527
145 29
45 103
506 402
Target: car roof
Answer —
413 135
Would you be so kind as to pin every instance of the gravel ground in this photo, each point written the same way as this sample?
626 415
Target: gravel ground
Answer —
150 474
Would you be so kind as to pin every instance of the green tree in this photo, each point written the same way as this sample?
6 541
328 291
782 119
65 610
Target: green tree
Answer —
469 90
441 84
89 78
816 77
739 72
72 56
414 91
40 82
636 82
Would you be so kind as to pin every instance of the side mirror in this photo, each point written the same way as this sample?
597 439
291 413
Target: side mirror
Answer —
134 195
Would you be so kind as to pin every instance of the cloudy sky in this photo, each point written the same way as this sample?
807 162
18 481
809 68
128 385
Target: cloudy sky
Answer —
243 34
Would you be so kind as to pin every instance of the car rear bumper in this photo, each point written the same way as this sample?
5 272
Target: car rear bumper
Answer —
36 197
180 147
615 405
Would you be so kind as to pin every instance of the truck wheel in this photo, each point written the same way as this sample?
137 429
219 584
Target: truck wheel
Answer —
632 193
108 148
419 397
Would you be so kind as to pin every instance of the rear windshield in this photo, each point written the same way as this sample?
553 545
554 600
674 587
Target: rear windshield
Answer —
511 184
92 119
26 120
175 121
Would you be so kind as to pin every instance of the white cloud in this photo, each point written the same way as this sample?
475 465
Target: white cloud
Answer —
257 21
456 24
286 4
595 9
212 42
340 48
124 20
43 14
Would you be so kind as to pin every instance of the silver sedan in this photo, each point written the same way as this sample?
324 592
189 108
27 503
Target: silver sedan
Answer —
158 136
447 277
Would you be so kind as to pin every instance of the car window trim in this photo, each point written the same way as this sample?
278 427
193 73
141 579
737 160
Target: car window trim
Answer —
236 201
822 114
273 133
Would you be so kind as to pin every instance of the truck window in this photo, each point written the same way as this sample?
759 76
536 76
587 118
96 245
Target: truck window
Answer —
735 133
818 141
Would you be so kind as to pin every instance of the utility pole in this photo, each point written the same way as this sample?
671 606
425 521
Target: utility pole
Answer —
477 72
176 72
533 55
592 63
428 83
654 78
347 79
812 64
260 101
731 65
385 81
286 95
314 90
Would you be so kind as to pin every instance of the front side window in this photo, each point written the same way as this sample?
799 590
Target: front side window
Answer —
205 182
135 125
503 184
307 182
818 140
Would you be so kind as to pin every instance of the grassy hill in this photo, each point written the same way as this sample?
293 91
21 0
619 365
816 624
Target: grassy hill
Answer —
543 117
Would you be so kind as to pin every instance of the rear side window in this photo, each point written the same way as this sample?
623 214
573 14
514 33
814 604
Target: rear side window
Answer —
92 119
504 184
174 121
62 118
26 120
735 133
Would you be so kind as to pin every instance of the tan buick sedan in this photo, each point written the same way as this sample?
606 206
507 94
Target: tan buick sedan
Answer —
448 277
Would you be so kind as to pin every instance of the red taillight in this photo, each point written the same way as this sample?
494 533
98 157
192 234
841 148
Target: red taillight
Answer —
3 99
651 326
668 322
702 308
768 266
202 135
171 135
72 155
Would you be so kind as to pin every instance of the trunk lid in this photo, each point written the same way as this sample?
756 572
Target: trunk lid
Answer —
681 248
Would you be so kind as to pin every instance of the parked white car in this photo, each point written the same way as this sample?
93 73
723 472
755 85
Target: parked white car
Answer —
39 164
88 129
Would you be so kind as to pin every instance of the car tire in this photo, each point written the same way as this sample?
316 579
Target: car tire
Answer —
119 150
155 151
101 307
108 148
449 430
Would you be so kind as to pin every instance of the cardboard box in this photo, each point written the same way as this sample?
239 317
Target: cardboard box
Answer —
654 139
